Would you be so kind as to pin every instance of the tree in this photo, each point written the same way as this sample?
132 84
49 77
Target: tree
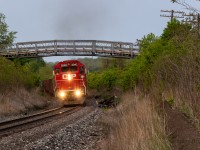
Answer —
176 28
147 40
6 37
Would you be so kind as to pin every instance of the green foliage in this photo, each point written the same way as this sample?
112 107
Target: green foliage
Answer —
32 67
113 63
170 101
103 80
109 78
35 63
147 40
175 28
99 64
23 72
19 71
94 80
6 37
46 72
12 76
173 42
151 48
92 64
198 87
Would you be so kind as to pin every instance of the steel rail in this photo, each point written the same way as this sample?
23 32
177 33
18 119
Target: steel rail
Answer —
14 127
28 117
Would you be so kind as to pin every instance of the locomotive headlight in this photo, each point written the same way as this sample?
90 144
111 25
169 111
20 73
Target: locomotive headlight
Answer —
78 92
62 94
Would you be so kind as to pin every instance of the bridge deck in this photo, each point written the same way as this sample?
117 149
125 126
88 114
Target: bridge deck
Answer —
70 48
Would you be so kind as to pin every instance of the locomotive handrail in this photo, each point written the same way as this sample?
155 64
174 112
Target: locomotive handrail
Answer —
70 48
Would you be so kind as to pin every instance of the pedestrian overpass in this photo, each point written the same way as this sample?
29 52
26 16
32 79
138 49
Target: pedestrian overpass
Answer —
70 48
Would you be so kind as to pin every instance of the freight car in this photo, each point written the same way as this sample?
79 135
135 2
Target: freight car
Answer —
47 86
70 82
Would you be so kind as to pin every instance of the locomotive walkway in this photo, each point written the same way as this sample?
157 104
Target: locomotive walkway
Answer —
70 48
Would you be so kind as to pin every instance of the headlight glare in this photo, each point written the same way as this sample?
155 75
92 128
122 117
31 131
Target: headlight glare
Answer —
62 94
78 92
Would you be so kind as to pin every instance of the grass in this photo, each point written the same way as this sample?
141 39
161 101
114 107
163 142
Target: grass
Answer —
138 126
180 83
18 93
18 100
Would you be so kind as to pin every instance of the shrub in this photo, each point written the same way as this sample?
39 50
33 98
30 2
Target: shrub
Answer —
103 80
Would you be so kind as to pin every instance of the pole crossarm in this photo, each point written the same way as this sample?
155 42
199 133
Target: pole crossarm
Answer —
173 14
70 48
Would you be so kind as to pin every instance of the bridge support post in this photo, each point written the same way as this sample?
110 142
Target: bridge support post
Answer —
55 47
131 47
17 48
74 47
36 49
93 47
112 48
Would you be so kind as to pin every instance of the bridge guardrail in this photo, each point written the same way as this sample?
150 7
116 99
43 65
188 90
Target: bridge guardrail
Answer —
70 48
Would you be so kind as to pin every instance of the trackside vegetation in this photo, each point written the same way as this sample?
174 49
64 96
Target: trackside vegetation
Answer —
6 37
20 78
19 85
139 70
167 69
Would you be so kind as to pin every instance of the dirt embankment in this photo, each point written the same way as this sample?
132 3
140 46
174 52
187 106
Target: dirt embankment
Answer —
183 135
20 101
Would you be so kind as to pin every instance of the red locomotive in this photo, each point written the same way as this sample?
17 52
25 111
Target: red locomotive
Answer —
70 81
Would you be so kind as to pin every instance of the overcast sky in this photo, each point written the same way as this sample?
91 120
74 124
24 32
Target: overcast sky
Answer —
113 20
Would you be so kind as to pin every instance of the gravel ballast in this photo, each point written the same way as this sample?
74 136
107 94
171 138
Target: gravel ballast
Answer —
77 132
80 135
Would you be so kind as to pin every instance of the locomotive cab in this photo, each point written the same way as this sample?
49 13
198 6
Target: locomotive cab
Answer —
70 82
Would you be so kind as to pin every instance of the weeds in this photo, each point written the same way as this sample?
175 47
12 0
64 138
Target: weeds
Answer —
138 127
15 101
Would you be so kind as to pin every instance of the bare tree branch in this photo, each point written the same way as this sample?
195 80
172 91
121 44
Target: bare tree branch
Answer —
186 5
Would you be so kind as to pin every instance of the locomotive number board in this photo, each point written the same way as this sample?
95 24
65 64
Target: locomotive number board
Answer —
65 65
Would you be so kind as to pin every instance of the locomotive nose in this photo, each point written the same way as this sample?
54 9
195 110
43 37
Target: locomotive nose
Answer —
68 76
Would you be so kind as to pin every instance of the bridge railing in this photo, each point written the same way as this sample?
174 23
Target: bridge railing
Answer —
69 48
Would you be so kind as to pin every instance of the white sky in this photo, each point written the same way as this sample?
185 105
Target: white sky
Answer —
113 20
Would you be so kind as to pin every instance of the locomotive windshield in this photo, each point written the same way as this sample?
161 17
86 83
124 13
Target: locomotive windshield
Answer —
69 68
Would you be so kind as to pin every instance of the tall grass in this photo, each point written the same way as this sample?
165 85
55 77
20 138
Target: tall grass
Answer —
16 101
177 80
167 69
139 126
17 93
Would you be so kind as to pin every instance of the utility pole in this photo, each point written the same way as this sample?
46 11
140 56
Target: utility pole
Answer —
194 20
173 14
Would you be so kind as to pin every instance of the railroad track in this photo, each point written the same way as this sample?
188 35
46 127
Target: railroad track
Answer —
24 123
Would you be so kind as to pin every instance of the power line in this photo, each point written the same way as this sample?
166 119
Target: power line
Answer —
187 6
193 19
172 14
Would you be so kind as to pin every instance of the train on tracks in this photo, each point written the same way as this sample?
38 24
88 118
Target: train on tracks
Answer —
69 83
